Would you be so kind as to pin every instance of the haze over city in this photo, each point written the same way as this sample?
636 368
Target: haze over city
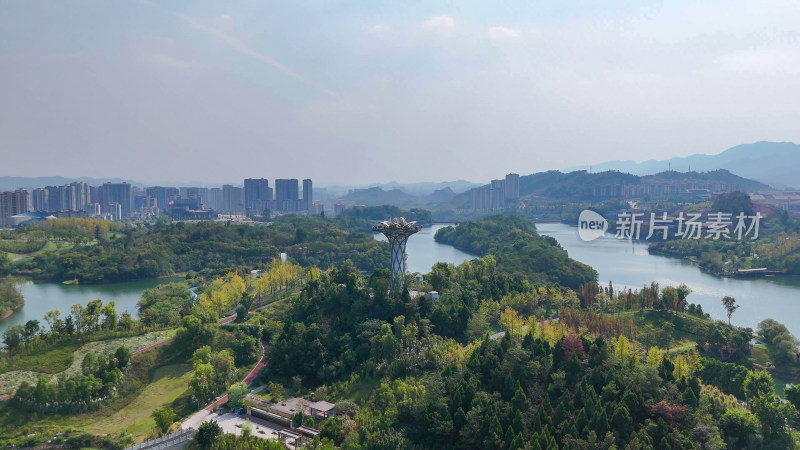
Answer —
158 91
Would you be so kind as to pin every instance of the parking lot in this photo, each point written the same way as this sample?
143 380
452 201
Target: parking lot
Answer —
232 424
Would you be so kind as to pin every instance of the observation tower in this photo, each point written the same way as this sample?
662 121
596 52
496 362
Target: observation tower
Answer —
397 231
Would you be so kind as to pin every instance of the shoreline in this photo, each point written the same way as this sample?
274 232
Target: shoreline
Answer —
10 313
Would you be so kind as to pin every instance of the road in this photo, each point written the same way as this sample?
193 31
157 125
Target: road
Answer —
207 413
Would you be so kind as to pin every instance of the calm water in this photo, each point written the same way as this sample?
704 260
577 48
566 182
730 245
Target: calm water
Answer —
628 264
423 252
43 297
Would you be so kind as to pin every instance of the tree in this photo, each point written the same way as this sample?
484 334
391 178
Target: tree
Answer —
164 418
202 382
53 321
276 391
126 321
729 303
683 292
236 395
297 420
13 337
621 422
758 383
739 426
511 322
109 312
123 356
78 317
792 394
773 414
89 365
769 329
30 330
207 432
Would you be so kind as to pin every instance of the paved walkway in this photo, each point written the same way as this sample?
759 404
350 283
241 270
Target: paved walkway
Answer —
137 352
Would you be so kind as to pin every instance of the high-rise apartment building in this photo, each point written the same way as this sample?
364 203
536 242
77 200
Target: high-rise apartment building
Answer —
163 195
257 194
116 193
232 198
82 196
214 199
13 203
511 187
308 195
498 194
286 194
39 198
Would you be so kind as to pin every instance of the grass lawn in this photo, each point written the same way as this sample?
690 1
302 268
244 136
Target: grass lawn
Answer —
168 385
53 360
361 389
10 379
154 380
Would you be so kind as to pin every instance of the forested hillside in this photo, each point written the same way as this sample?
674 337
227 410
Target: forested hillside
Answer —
519 250
91 252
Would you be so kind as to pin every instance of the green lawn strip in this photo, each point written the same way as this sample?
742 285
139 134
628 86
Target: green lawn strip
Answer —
760 356
136 400
168 385
133 343
53 360
10 381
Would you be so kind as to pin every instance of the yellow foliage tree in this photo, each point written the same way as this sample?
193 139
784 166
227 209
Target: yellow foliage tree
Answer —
625 351
681 370
654 356
512 322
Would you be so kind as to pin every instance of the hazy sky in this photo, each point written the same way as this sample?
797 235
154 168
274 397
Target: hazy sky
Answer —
362 92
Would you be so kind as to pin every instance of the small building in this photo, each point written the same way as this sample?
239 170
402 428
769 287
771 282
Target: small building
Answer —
309 432
291 406
269 416
322 409
255 273
434 295
418 278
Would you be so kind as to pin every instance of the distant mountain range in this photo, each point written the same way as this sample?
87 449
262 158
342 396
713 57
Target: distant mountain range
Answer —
579 185
772 163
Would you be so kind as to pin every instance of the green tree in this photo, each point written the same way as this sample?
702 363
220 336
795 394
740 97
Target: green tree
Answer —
202 382
621 422
207 432
739 426
297 420
729 303
13 337
792 394
30 330
164 418
773 414
236 395
123 356
758 383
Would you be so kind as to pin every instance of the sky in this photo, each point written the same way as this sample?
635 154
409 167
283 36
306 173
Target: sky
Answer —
358 92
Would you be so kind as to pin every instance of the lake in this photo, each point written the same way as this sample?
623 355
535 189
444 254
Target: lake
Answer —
423 252
628 264
43 297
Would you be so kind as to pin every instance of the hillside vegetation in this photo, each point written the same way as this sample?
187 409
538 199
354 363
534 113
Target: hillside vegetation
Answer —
519 250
